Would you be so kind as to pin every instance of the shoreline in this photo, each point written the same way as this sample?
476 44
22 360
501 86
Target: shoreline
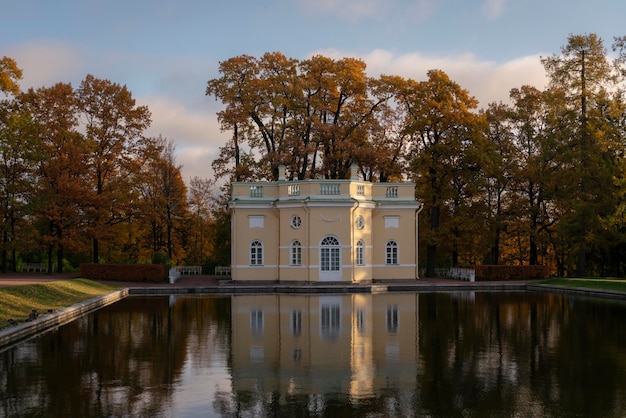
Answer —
205 285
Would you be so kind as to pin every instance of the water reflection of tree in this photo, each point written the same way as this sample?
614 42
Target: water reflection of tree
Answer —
481 354
497 355
591 366
123 360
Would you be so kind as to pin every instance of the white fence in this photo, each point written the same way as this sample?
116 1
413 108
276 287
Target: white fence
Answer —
222 271
189 269
459 273
35 267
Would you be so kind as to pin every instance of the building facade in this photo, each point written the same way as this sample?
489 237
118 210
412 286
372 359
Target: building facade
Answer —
323 230
308 344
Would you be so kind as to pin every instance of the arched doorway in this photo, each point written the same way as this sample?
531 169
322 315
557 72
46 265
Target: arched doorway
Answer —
330 259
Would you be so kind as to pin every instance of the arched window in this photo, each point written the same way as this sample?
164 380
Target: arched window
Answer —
360 253
296 253
391 252
256 253
330 254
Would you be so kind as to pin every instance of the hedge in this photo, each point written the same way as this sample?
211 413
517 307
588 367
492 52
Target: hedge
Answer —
153 273
486 272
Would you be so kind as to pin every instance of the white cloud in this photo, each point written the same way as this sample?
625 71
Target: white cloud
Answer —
354 9
493 9
46 63
486 80
358 9
174 89
180 110
195 131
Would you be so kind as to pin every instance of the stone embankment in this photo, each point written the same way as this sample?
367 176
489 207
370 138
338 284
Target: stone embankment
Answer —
211 285
48 321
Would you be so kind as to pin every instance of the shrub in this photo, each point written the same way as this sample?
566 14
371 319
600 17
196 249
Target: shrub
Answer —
487 272
153 273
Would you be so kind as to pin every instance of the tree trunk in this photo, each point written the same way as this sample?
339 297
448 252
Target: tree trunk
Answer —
96 251
431 249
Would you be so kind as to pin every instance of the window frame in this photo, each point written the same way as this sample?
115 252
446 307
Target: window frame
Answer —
359 255
295 253
392 252
256 253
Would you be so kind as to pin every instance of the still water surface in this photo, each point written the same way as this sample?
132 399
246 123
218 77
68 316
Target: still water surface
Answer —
465 354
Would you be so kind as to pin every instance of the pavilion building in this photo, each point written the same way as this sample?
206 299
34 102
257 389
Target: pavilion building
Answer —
322 230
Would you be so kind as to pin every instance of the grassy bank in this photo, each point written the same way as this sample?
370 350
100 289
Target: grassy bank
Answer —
17 302
601 283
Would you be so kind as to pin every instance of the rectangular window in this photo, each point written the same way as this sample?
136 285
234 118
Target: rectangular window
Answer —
296 323
256 322
392 319
256 253
360 321
329 259
360 257
391 253
296 255
330 321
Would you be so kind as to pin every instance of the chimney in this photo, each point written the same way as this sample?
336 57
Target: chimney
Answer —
354 171
282 172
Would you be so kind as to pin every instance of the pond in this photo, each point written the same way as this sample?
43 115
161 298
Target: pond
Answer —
459 354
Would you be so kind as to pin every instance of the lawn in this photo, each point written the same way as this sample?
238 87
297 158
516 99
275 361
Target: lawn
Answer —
600 283
17 302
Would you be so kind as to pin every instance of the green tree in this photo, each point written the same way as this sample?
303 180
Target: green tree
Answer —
585 78
442 127
199 241
19 147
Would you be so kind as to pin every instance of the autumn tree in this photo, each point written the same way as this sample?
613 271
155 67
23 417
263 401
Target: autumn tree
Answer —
342 110
586 79
497 172
164 211
313 116
62 188
10 73
256 93
384 157
199 237
19 152
114 131
442 128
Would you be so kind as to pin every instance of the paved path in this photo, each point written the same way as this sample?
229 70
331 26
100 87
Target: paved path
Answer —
13 279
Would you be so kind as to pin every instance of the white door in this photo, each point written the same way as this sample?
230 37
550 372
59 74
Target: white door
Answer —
330 259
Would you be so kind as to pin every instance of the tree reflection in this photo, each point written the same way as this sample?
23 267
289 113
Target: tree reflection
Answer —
120 361
429 354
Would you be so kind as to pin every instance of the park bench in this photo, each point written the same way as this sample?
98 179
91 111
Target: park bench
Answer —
35 267
222 270
459 273
190 269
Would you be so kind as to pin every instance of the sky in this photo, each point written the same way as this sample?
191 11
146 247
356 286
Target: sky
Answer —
165 52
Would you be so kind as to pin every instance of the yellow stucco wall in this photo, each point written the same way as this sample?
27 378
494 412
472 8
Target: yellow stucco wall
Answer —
326 208
357 341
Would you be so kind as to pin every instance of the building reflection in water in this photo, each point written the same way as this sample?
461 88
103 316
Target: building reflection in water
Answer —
306 344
